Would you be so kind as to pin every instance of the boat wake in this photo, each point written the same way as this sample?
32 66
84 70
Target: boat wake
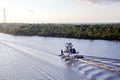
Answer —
96 68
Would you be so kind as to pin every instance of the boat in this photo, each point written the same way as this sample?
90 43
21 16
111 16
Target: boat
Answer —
70 53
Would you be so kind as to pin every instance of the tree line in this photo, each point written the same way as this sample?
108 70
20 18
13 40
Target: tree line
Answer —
80 31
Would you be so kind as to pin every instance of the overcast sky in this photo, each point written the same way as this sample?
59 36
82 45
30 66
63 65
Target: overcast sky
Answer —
60 11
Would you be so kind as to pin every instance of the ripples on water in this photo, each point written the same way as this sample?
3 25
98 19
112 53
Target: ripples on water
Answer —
91 48
100 48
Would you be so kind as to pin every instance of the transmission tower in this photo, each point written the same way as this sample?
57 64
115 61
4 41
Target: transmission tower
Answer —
4 16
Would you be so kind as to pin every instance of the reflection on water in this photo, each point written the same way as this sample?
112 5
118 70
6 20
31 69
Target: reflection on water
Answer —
100 48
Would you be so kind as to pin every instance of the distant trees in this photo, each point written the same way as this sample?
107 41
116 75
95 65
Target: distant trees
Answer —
83 31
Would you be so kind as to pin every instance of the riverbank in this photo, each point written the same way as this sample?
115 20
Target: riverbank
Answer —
79 31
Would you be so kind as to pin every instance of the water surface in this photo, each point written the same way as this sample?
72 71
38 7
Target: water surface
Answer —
99 48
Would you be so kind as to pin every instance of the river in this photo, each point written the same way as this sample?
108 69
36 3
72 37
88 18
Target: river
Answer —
99 48
36 58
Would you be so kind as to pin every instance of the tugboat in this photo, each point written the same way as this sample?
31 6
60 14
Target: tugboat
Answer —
70 53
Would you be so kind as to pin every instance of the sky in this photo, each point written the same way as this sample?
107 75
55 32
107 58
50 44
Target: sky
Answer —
60 11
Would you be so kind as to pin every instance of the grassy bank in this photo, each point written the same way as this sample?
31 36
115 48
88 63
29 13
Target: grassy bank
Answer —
82 31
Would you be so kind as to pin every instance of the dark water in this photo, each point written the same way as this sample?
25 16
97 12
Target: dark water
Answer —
99 48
